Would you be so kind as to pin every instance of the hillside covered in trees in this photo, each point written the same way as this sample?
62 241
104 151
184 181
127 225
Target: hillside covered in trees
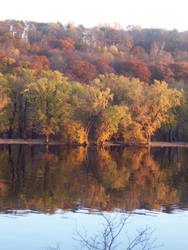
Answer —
100 84
81 53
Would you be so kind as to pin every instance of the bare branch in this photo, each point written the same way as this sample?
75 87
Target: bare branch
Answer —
108 238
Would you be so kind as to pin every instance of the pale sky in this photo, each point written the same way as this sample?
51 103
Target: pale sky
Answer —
168 14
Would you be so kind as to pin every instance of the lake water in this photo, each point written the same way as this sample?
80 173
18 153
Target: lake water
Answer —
49 200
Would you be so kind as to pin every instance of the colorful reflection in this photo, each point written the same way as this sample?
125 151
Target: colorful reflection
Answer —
104 179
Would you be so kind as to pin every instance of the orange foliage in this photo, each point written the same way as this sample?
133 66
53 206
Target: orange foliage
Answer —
162 71
103 66
83 70
137 69
180 70
67 46
40 63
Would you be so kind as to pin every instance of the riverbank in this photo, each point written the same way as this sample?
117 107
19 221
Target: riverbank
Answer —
28 142
169 144
42 142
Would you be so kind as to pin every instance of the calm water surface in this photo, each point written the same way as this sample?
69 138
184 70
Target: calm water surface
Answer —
46 198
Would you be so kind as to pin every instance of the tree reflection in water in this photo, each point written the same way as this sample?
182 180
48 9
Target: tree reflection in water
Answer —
103 179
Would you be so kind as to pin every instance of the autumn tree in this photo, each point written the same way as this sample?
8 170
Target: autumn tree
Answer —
175 128
180 70
133 68
94 102
103 66
110 122
148 104
47 95
4 101
67 46
40 63
17 110
162 72
83 71
151 104
6 64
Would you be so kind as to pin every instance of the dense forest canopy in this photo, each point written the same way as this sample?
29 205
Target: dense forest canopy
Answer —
82 53
99 84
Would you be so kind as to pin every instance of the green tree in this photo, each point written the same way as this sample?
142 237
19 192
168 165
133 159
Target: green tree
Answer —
175 128
47 96
148 104
156 101
17 110
90 102
4 102
110 121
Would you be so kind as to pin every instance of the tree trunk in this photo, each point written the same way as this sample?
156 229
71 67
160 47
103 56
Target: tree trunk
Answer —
47 143
149 143
149 139
87 130
170 135
11 121
10 132
23 121
47 139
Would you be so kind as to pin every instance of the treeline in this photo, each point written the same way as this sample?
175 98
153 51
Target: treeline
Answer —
78 85
111 107
82 54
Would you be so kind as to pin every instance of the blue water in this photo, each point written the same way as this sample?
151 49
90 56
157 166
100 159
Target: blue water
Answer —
39 191
34 231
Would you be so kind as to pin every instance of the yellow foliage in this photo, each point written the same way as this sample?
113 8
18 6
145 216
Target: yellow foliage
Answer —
8 60
74 132
114 50
133 133
4 100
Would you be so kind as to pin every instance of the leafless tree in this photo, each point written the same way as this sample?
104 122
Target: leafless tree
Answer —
107 239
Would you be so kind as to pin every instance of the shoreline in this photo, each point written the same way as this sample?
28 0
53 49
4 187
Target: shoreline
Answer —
169 144
42 142
29 142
